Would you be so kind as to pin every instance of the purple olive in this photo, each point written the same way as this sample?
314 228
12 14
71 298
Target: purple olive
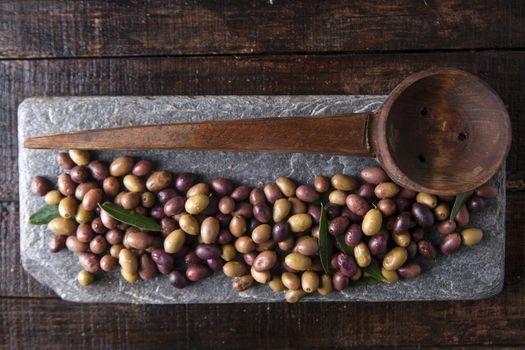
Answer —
411 250
225 236
168 225
191 258
249 258
402 222
418 234
241 193
314 211
366 191
446 227
163 260
426 249
332 211
177 279
224 219
450 243
262 212
340 281
207 251
409 270
422 214
196 272
244 209
174 205
402 204
475 204
166 194
184 181
280 231
353 235
346 264
338 225
157 213
377 244
215 264
222 187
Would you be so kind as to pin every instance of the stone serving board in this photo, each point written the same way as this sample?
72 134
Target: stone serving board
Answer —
471 273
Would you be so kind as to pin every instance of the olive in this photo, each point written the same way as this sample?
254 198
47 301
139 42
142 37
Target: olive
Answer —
114 236
332 211
257 196
84 233
158 180
337 197
234 269
463 217
427 199
262 233
163 260
475 204
418 234
121 166
147 268
280 231
362 255
66 186
147 199
298 261
260 276
422 215
240 193
487 191
286 186
196 204
226 205
412 250
402 239
353 235
372 222
314 211
57 243
83 188
389 276
249 258
306 193
300 222
442 212
222 187
265 261
310 281
209 230
281 209
387 206
244 245
89 262
242 283
377 245
85 278
166 194
346 264
276 284
111 186
107 220
321 184
338 225
215 264
402 204
357 204
184 181
64 160
196 272
426 249
98 244
262 212
224 220
177 279
272 193
174 205
98 226
374 175
92 198
79 157
238 226
133 183
446 227
409 270
114 251
386 190
142 167
340 281
189 224
325 286
207 251
290 280
61 226
306 245
108 263
471 236
174 241
244 209
53 197
224 237
99 171
79 174
129 200
67 207
191 258
129 277
343 182
395 258
228 252
75 246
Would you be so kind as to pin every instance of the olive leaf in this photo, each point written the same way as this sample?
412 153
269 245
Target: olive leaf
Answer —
343 246
458 202
130 217
44 215
373 271
325 244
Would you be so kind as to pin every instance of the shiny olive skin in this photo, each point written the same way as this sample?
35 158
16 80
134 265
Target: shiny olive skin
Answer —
337 197
234 268
265 261
249 258
427 199
67 207
228 252
366 191
426 249
85 233
107 220
281 209
64 160
173 242
196 204
61 226
346 264
309 281
471 236
158 181
113 236
402 239
374 175
280 231
89 262
272 193
189 224
257 196
353 235
66 186
372 222
387 206
224 237
240 193
314 211
174 205
99 171
177 279
321 184
395 258
297 261
79 157
226 205
85 278
338 225
207 251
389 277
487 191
111 186
129 200
221 186
261 233
291 280
210 229
286 186
184 182
262 212
108 263
98 244
343 182
244 244
306 193
307 245
463 217
142 167
121 166
163 260
244 209
166 194
133 183
362 255
446 227
196 272
237 226
300 222
409 270
386 190
377 245
340 281
475 204
98 226
74 245
83 188
53 197
422 214
442 212
92 198
79 174
357 204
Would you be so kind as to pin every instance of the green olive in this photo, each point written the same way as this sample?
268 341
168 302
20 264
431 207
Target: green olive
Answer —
276 284
362 255
300 222
286 186
325 286
85 278
402 239
83 216
129 277
228 252
128 261
157 181
427 199
293 296
174 241
386 190
310 281
121 166
237 226
290 280
372 222
298 261
395 258
471 236
67 207
61 226
53 197
389 276
133 183
234 268
147 199
200 188
262 233
442 212
344 182
337 197
260 276
115 249
189 224
196 204
80 157
281 209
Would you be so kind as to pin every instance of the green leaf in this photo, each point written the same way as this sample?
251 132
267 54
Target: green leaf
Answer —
44 215
325 244
130 217
364 281
342 245
458 202
374 271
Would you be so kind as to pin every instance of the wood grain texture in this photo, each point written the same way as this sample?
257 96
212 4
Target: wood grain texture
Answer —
326 74
122 28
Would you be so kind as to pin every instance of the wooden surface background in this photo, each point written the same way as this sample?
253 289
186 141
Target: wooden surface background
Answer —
163 47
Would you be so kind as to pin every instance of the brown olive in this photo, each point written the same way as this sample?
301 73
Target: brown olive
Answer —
293 296
92 198
210 230
129 277
261 233
137 239
115 249
343 182
79 174
99 171
307 193
366 191
121 166
61 226
340 281
281 209
240 193
237 226
114 236
147 267
357 204
84 188
158 181
89 262
108 263
286 186
298 207
242 283
321 184
57 243
265 261
386 190
85 278
98 244
257 196
74 245
306 245
426 249
338 225
130 200
234 268
291 280
276 284
471 236
261 277
64 160
487 191
228 252
128 261
272 193
463 217
446 227
310 281
244 244
98 226
244 209
395 258
66 186
374 175
262 212
142 167
287 244
387 206
226 205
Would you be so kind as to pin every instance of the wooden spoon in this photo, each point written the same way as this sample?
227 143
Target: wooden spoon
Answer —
441 131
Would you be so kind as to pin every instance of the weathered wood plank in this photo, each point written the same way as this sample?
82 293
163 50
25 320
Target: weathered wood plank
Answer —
121 28
324 74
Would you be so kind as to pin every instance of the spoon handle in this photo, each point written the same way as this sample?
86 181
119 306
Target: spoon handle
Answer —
341 134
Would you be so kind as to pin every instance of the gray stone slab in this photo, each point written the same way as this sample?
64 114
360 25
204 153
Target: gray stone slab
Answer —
471 273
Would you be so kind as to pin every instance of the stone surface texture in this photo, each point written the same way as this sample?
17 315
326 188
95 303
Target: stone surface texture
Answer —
471 273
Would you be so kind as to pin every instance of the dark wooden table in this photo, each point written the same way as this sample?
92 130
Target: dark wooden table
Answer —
260 47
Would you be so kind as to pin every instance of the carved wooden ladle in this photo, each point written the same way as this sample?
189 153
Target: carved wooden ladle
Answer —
441 131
